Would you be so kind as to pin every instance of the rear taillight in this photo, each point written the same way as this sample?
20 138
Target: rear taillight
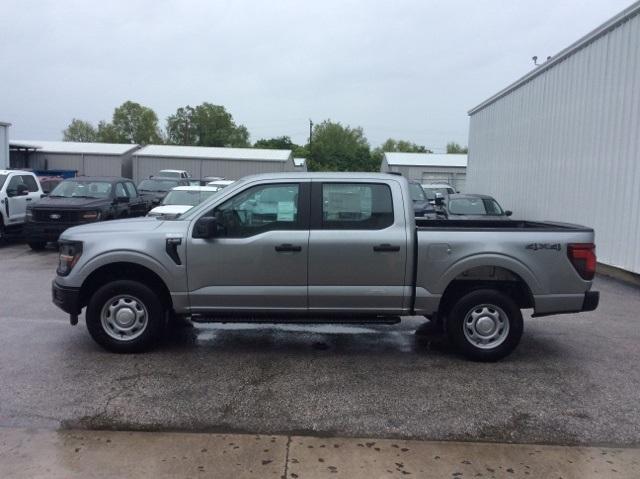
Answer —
583 259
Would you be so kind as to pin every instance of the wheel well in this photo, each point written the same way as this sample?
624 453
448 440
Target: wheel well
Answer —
487 277
123 270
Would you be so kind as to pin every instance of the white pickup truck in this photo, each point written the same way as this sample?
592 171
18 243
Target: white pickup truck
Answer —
17 190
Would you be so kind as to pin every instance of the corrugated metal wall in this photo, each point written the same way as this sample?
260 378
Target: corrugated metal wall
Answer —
84 164
145 166
566 145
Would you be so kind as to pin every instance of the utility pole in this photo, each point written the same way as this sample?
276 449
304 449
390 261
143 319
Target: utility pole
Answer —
310 136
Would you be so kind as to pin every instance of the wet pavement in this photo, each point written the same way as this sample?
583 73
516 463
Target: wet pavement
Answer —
573 380
32 454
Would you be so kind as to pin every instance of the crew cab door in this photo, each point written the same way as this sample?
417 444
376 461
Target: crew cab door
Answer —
258 260
137 206
357 247
18 195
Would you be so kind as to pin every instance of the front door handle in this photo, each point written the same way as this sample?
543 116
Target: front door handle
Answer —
385 247
287 247
28 199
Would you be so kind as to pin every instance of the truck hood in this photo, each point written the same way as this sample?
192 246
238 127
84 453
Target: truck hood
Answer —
130 225
71 203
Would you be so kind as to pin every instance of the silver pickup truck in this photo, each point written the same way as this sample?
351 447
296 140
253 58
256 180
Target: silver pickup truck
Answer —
321 247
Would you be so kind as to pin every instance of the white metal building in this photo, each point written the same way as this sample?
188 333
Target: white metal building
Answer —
200 161
428 167
300 164
88 159
563 142
4 145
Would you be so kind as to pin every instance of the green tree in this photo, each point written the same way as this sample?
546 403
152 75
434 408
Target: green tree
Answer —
397 145
107 133
453 147
335 147
278 143
135 123
205 125
80 130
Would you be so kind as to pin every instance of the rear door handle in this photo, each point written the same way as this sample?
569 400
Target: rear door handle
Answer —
28 199
287 247
385 247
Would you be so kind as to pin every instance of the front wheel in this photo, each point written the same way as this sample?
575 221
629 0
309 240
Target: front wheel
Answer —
485 325
125 317
37 245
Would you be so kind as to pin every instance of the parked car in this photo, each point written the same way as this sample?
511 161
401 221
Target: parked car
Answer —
154 189
475 207
81 200
443 189
17 190
204 181
338 247
48 183
180 174
421 205
181 199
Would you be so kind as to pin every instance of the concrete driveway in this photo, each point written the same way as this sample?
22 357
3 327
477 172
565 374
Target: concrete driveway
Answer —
573 380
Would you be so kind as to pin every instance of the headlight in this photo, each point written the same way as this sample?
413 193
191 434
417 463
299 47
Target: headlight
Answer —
91 215
70 252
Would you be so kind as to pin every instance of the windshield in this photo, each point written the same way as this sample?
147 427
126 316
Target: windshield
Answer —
417 193
157 185
474 206
82 189
183 197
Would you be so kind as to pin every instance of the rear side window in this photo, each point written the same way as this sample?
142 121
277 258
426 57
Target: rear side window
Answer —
359 206
30 181
131 189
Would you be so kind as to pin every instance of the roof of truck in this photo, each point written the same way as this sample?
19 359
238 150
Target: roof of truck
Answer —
303 175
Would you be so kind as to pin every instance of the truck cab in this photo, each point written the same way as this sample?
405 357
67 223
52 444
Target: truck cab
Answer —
18 189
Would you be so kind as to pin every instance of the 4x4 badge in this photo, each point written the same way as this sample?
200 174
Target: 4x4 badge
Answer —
538 246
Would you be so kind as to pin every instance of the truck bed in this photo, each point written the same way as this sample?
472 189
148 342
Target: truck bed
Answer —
503 225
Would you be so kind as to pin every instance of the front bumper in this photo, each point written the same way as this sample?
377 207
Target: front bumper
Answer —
65 298
36 231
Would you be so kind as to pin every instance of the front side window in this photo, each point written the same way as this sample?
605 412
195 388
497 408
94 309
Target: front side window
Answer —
30 181
417 193
14 183
259 209
120 191
3 178
356 206
158 185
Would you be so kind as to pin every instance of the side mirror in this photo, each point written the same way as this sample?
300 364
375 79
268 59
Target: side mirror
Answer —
508 213
206 227
439 201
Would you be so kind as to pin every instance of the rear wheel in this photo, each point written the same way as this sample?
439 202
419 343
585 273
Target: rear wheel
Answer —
37 245
485 325
125 317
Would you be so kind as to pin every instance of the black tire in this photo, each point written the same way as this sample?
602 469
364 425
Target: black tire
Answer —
485 301
37 245
155 321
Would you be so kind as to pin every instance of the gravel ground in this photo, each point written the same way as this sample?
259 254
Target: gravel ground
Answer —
573 380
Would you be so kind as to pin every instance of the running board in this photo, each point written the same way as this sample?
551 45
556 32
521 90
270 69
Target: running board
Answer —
296 319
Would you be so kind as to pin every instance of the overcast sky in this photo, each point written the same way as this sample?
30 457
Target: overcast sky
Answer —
402 69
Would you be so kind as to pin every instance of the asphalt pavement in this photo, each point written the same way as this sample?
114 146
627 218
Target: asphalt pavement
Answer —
573 380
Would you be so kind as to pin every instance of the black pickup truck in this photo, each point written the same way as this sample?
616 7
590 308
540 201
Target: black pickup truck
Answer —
78 201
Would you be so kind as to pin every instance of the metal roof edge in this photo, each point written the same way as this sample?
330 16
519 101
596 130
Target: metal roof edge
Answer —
5 123
611 24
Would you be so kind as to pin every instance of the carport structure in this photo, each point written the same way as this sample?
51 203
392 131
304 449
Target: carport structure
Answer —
88 159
